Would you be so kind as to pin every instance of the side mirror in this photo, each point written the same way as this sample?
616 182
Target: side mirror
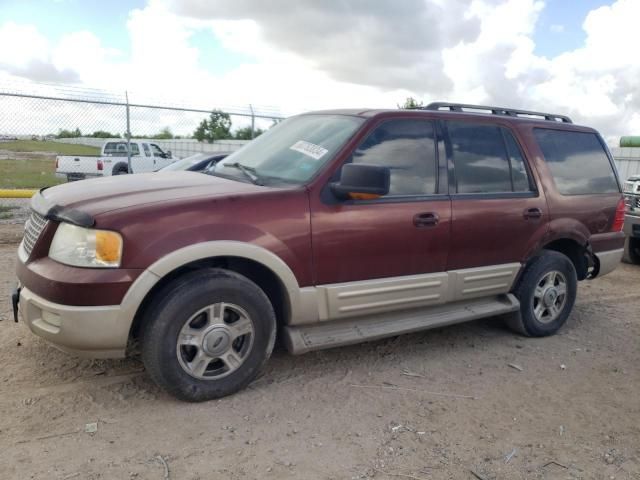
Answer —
169 154
361 181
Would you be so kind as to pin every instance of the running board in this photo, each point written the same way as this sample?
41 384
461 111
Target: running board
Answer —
329 334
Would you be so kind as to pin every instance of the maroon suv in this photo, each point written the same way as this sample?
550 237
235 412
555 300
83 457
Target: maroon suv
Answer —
332 228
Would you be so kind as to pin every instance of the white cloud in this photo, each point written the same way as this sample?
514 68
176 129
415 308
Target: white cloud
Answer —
312 55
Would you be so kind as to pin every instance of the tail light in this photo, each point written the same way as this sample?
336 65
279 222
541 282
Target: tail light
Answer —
100 165
618 220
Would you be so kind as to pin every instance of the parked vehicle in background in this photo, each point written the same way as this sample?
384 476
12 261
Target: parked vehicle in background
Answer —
199 162
331 228
145 157
632 220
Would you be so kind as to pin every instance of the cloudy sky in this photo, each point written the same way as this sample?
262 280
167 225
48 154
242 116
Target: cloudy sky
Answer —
573 57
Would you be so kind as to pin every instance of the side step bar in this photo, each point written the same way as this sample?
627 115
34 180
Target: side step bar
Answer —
329 334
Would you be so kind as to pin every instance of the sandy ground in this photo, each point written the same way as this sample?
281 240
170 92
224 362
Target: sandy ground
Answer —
390 409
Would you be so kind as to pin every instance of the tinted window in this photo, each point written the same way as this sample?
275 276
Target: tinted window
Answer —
518 169
119 149
480 159
578 162
157 152
407 147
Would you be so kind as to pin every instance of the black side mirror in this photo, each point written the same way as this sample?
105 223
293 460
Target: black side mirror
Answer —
362 181
169 154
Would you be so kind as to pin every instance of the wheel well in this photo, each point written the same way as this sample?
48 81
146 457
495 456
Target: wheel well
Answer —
262 276
578 254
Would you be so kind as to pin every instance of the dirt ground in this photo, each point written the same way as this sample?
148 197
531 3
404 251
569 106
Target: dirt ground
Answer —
391 409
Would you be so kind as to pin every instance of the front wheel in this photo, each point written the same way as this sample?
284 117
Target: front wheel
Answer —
547 292
209 335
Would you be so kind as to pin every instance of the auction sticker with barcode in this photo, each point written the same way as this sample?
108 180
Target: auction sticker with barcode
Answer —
310 149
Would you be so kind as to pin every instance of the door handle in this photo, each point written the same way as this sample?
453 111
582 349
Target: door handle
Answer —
427 219
532 213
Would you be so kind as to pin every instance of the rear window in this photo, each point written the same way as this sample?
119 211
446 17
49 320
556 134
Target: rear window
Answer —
578 162
119 149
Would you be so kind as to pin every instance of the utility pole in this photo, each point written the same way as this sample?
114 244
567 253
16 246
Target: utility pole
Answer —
130 170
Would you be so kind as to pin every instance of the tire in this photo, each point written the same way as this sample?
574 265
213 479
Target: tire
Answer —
120 169
192 344
631 250
544 309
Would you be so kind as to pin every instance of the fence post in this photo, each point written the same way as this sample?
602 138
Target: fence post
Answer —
253 121
129 169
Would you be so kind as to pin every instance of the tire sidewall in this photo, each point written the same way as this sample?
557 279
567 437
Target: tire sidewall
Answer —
161 332
537 269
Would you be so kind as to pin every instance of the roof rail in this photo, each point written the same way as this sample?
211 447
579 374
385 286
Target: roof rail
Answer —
510 112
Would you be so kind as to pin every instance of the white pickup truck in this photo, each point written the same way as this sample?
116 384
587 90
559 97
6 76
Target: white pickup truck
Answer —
145 157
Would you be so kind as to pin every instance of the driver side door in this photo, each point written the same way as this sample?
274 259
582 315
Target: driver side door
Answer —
393 250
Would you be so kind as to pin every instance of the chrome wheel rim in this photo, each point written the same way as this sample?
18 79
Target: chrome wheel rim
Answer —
215 341
550 297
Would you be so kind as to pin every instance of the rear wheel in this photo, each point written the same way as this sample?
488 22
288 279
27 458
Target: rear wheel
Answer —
209 335
631 250
547 292
120 169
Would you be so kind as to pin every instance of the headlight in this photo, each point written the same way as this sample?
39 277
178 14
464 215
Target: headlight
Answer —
85 247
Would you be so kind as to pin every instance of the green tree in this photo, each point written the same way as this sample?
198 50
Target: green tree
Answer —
216 127
165 134
244 133
104 134
63 133
410 104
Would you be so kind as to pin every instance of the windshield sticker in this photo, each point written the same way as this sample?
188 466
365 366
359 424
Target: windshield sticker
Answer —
309 149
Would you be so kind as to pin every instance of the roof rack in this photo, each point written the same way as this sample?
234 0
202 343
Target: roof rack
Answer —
510 112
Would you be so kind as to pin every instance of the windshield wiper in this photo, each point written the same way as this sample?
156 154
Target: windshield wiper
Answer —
248 172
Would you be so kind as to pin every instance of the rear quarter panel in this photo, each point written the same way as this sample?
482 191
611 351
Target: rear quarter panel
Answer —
583 218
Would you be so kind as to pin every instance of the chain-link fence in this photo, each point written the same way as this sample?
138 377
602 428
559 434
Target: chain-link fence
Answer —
50 134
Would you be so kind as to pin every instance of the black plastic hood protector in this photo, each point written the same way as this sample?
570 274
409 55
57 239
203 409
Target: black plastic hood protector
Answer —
60 214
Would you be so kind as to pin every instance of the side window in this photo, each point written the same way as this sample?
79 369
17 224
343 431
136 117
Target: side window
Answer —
134 149
578 162
518 170
408 148
479 157
487 159
147 150
156 150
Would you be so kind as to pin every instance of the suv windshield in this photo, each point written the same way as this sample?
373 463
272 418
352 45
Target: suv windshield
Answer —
293 151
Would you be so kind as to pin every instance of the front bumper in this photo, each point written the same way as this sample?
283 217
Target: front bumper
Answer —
632 225
87 331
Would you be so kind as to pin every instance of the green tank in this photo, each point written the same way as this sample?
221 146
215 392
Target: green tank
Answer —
630 141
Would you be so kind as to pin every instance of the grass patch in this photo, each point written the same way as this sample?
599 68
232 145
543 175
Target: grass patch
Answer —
8 208
50 147
28 173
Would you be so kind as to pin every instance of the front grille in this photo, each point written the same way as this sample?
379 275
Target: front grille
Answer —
628 187
32 230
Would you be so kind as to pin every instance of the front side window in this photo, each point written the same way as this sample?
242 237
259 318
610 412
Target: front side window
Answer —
157 152
147 151
486 159
577 161
407 147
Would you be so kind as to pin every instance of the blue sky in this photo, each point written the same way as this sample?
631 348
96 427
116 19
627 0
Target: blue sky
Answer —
315 54
108 20
570 14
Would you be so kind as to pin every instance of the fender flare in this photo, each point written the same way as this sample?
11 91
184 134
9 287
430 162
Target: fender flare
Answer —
200 251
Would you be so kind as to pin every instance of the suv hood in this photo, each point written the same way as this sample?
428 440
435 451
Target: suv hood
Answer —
79 202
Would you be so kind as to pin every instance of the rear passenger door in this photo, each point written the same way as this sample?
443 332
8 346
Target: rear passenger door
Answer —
498 214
